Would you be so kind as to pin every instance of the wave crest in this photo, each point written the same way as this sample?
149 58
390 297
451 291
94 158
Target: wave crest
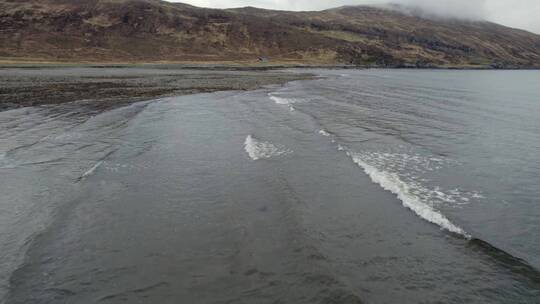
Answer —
283 101
393 183
262 150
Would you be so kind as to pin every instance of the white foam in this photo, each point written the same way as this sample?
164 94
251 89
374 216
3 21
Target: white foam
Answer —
477 195
412 169
324 133
391 182
283 101
91 170
280 100
262 150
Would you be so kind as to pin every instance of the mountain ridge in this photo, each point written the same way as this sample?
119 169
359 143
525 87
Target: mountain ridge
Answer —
158 31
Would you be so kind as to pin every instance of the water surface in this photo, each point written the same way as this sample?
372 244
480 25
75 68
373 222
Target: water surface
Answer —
374 186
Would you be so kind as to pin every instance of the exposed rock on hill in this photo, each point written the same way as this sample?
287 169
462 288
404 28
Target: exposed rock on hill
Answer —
153 30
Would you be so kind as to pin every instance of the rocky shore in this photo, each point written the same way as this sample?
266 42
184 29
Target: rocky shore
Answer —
33 86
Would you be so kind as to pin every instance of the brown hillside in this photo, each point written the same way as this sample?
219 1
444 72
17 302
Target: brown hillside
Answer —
153 30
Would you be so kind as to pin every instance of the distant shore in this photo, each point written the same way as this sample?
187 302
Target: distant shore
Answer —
249 65
199 65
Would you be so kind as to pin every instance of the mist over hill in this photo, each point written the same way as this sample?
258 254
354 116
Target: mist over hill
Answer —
158 31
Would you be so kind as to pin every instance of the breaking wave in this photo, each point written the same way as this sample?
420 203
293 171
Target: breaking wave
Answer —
413 195
262 150
412 169
323 132
391 182
283 101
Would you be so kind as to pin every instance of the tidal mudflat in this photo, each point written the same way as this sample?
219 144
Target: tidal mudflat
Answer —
34 85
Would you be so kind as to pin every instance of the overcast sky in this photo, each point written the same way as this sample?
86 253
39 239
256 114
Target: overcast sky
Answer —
523 14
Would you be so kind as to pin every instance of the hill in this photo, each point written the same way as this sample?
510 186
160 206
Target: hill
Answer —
159 31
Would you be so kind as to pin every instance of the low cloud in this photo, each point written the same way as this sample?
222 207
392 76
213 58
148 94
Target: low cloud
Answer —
464 9
516 13
468 8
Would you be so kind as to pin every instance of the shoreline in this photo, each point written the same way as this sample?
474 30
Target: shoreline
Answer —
111 86
240 65
32 84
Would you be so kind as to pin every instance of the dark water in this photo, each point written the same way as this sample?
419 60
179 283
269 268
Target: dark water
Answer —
363 187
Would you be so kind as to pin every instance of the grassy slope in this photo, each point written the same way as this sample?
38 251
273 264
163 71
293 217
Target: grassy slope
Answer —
134 31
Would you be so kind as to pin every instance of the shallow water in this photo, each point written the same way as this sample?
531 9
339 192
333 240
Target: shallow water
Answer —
362 187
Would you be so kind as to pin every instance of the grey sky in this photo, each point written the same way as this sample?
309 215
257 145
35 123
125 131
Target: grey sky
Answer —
515 13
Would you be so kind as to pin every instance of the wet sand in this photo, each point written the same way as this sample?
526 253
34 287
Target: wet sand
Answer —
33 86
